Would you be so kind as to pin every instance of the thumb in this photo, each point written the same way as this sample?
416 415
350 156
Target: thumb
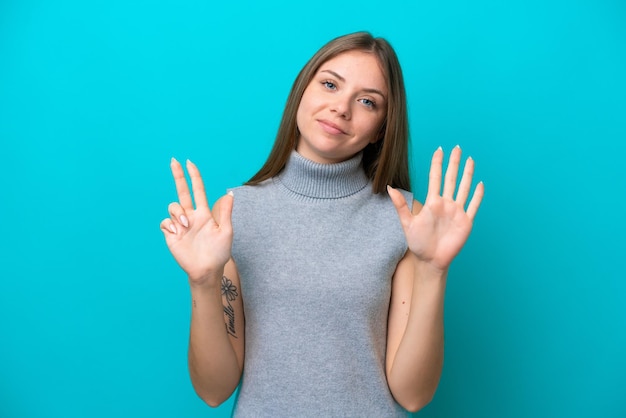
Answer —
225 211
404 213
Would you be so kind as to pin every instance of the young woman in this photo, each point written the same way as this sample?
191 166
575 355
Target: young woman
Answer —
342 278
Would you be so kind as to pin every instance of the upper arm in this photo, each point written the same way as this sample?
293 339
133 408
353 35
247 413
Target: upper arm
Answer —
400 303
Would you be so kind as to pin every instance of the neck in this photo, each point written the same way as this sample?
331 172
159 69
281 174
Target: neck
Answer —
323 181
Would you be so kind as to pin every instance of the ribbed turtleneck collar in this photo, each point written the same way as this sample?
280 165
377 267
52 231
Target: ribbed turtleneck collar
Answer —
323 181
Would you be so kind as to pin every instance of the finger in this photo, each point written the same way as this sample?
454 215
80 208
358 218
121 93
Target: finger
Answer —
177 212
434 178
474 204
466 182
182 188
398 200
451 173
197 185
168 227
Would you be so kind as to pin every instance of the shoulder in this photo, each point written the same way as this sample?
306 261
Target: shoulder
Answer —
247 188
254 187
251 203
248 192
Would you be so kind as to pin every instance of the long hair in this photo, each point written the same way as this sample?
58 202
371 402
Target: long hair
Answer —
386 162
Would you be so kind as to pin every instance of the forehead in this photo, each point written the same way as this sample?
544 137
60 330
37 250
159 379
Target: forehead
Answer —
358 67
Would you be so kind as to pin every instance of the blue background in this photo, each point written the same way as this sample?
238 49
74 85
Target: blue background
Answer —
96 97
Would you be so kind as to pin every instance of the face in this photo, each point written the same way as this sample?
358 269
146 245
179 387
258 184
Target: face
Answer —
342 109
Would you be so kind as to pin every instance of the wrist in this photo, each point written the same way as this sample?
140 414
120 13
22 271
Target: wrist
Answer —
208 281
426 271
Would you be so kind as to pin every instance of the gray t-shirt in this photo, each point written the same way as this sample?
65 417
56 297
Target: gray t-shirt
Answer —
316 251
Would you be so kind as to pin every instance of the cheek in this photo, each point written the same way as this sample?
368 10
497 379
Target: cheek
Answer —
371 127
305 109
300 117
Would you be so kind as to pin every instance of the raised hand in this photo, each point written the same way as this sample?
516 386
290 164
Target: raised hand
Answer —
200 242
439 231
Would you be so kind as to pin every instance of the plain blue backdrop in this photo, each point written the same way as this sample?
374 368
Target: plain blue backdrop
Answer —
96 97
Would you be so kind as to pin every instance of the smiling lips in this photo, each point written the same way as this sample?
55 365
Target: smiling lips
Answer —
330 127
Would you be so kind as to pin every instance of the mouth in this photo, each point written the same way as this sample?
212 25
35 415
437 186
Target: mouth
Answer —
330 127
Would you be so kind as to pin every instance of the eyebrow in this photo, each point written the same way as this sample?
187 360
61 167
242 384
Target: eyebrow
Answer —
376 91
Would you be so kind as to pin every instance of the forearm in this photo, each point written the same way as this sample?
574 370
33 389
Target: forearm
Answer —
418 362
214 367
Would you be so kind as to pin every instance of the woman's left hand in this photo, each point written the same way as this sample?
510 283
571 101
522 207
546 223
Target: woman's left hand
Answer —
438 232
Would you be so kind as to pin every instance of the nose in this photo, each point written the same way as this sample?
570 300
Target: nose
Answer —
341 106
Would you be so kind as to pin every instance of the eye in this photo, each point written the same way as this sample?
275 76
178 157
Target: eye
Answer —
369 103
329 85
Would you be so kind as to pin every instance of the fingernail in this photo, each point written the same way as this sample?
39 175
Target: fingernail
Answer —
184 221
173 228
457 146
439 149
230 193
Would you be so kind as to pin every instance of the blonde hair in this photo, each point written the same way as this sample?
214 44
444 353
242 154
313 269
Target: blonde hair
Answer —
386 161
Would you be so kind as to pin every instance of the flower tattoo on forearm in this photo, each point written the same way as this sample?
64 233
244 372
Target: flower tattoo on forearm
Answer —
229 293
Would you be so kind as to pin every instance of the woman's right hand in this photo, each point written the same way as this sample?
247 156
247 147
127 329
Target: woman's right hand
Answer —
199 240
